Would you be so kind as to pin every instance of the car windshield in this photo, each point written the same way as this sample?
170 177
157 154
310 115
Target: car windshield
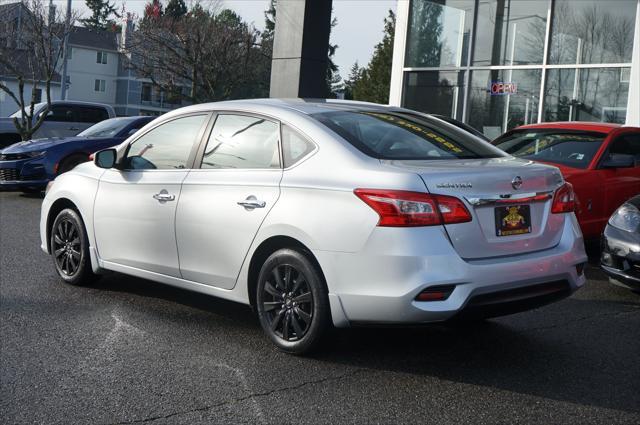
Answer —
106 128
573 149
397 135
36 108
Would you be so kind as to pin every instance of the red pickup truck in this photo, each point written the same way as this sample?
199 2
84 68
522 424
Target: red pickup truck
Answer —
600 160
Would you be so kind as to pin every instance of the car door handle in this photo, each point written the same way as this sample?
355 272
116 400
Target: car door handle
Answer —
164 196
73 128
252 202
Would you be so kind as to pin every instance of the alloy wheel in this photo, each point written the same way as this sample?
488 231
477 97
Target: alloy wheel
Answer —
67 247
287 302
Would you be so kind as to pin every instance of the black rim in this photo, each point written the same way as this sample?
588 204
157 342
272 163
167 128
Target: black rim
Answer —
66 247
287 302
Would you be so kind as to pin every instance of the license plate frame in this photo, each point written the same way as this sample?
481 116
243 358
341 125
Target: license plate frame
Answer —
512 220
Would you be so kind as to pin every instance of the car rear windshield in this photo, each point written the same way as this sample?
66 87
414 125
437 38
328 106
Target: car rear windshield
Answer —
398 135
574 149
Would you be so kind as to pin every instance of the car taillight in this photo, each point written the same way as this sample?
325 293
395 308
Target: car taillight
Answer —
564 200
399 208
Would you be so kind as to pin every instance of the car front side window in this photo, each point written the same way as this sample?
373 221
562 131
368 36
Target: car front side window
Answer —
166 147
241 141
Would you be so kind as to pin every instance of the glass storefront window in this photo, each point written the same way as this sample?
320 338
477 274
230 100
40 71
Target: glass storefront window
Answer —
592 31
587 94
438 33
513 32
435 92
500 100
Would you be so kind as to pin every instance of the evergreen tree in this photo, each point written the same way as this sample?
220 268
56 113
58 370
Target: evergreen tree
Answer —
101 10
372 83
176 8
355 74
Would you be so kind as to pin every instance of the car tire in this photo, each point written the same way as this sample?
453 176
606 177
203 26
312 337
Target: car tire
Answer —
70 163
292 302
70 248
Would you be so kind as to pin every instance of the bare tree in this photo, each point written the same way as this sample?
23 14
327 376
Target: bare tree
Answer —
203 55
31 38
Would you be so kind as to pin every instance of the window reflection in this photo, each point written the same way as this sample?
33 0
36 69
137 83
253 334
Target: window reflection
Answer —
435 92
513 32
167 146
240 141
494 113
439 33
591 94
592 31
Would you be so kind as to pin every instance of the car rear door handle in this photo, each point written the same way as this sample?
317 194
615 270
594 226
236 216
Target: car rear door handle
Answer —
164 196
252 202
73 128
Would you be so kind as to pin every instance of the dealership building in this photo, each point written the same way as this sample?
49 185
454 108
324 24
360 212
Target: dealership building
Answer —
497 64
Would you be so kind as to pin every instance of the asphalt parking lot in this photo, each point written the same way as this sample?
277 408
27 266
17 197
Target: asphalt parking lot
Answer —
130 351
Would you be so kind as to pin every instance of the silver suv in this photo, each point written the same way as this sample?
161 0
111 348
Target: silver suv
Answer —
65 118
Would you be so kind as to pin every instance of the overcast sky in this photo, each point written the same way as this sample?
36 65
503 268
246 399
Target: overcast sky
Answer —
359 29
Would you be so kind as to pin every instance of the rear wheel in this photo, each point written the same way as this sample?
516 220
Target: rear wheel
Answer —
70 248
292 302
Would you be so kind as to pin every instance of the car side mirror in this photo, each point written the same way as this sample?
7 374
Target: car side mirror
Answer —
105 158
619 160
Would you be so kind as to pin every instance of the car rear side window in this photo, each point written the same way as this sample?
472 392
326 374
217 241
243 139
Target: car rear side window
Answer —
294 146
574 148
395 135
91 114
60 113
628 144
167 146
242 141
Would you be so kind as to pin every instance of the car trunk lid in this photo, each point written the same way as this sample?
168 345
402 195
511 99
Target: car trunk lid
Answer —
509 200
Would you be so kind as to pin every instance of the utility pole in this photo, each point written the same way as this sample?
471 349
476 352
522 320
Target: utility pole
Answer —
67 24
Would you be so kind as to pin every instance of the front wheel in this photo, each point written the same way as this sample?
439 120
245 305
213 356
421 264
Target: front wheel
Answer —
70 248
292 302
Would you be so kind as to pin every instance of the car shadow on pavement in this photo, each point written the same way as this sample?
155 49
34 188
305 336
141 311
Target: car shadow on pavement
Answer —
566 351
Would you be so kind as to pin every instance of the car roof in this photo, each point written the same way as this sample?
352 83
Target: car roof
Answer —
305 106
601 127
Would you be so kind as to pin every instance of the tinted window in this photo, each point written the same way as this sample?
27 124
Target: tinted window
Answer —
392 135
167 146
90 114
573 149
628 144
294 146
239 141
60 113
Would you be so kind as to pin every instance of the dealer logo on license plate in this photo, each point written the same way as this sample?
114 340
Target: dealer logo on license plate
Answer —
513 220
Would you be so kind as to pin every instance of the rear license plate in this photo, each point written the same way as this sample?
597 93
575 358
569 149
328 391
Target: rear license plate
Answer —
513 220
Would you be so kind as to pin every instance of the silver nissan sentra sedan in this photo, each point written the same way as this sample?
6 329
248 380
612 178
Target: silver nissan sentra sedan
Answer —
320 213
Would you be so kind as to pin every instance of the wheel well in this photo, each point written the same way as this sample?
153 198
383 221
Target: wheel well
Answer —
75 155
268 247
58 205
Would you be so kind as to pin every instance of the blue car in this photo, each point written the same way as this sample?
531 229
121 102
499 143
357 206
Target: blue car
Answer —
28 166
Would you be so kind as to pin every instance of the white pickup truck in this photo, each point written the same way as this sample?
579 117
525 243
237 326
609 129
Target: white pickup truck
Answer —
65 118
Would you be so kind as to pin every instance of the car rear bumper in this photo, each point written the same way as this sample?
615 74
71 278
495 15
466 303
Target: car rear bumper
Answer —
380 284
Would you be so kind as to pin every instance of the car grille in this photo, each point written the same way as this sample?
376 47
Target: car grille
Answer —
9 174
12 156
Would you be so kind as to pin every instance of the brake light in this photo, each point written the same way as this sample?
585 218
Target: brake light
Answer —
399 208
564 200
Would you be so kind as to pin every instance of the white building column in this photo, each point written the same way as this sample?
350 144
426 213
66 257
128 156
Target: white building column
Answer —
633 103
399 48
